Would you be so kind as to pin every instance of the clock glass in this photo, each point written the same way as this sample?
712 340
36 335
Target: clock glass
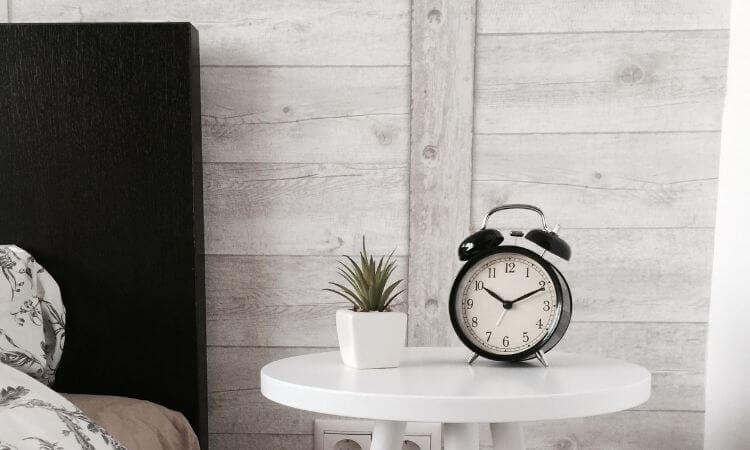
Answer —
506 303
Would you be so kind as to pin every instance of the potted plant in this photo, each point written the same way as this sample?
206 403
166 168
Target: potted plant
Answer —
370 334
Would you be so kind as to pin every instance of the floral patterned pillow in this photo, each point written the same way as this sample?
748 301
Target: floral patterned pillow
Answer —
32 315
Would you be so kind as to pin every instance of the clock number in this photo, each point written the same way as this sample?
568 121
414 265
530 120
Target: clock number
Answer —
510 267
469 304
489 335
542 283
491 271
478 285
475 322
527 272
539 324
525 337
506 341
546 306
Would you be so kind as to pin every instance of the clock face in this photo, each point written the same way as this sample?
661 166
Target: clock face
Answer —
506 303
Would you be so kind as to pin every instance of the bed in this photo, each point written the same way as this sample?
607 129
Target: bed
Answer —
100 173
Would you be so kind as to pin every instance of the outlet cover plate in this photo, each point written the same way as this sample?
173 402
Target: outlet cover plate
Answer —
423 436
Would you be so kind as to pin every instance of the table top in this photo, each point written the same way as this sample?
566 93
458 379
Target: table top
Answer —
435 384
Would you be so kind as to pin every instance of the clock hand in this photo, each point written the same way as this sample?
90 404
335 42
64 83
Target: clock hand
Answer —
502 314
495 295
527 295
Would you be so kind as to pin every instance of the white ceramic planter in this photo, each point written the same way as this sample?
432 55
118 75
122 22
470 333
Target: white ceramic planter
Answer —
371 340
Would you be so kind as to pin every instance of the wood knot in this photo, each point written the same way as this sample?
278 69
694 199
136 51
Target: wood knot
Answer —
566 444
384 137
631 74
287 110
431 305
429 152
434 17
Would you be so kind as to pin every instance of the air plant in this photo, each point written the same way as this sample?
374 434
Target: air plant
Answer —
368 288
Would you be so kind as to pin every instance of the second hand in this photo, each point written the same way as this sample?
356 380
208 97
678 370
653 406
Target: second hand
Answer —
502 314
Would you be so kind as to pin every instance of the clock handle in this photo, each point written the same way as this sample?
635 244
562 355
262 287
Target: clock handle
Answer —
518 206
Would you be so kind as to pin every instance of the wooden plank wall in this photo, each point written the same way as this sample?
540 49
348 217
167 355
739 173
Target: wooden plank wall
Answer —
442 117
606 114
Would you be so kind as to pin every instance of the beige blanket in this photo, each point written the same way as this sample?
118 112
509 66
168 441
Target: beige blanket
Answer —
138 424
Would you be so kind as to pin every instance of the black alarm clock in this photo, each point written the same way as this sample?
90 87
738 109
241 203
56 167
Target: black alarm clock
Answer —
509 303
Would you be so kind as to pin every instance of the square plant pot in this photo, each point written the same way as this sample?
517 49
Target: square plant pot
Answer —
371 340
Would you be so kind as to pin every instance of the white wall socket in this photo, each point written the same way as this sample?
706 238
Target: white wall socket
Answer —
357 435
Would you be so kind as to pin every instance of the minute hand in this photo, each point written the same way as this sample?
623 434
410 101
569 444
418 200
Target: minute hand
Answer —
525 296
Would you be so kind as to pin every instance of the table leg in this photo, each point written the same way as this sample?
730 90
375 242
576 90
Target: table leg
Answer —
460 436
388 435
507 436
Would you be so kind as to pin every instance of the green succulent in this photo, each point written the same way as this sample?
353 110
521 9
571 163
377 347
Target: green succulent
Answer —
368 288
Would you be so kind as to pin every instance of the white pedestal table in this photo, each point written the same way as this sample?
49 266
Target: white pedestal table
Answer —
436 384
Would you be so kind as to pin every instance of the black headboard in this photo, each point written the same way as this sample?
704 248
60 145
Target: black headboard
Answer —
100 179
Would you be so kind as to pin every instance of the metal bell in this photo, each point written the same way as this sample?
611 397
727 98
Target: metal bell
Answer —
479 242
550 241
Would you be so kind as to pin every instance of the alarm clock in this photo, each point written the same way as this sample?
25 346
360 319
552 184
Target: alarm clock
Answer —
509 303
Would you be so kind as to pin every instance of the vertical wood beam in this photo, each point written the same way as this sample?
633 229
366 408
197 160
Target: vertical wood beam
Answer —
442 105
4 11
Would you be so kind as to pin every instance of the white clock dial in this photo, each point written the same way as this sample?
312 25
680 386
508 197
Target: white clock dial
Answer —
507 303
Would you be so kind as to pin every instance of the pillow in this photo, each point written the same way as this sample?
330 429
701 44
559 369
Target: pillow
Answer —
32 315
138 423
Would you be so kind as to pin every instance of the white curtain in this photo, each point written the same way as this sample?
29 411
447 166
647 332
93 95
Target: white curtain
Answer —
728 349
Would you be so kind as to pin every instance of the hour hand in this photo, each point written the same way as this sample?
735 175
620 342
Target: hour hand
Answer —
492 293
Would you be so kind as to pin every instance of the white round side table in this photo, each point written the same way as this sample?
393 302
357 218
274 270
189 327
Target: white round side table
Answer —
436 384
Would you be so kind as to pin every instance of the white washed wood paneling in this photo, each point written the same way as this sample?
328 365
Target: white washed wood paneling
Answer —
627 430
238 368
640 274
305 114
609 160
4 11
258 32
233 281
600 82
689 204
442 114
302 209
676 391
657 346
247 411
267 325
559 16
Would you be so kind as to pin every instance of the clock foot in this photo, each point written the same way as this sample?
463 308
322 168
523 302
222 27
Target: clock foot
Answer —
473 358
542 359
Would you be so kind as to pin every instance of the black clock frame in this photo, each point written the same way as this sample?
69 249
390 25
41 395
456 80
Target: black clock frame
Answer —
555 333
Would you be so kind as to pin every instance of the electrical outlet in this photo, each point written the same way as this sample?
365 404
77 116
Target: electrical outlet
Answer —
336 441
357 434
